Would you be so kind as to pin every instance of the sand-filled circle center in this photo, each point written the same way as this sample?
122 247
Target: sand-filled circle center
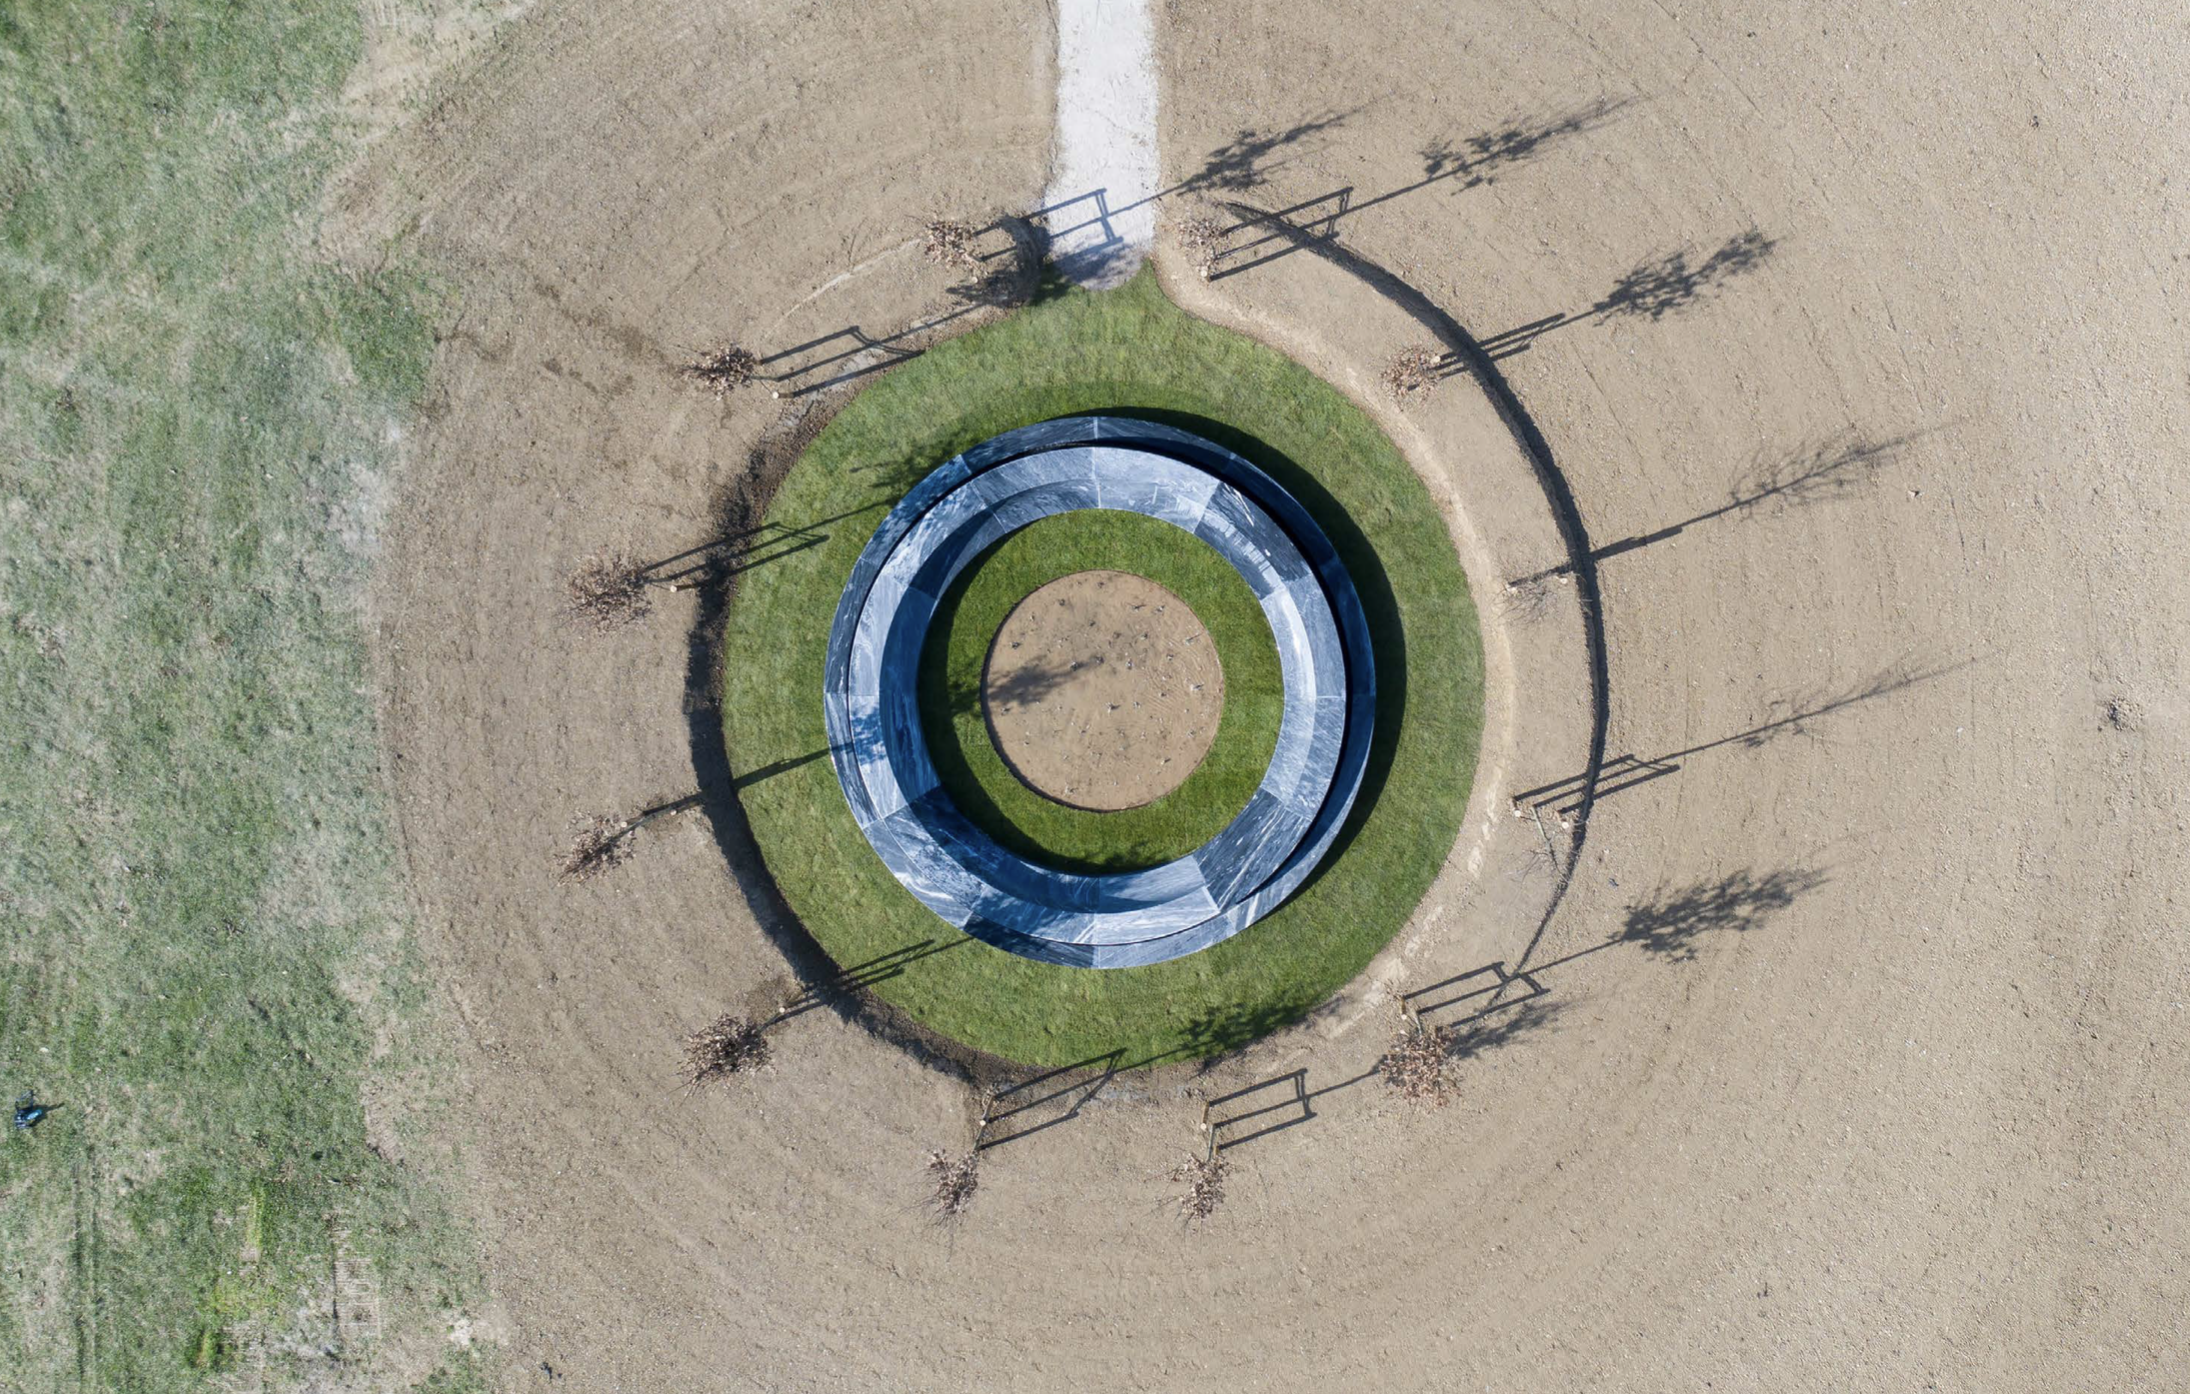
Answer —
1103 690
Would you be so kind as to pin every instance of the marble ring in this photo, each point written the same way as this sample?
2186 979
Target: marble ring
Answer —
881 755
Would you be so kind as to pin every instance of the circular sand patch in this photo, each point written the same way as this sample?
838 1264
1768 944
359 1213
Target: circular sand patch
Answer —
1103 690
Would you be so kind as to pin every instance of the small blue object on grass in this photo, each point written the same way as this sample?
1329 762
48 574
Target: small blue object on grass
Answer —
29 1113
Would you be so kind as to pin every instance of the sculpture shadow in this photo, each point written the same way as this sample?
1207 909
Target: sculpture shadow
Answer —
1464 349
718 782
941 704
823 983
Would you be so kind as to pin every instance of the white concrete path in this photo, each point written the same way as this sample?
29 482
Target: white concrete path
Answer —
1099 209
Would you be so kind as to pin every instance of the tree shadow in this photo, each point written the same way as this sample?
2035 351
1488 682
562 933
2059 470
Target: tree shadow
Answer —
1219 1030
1245 162
942 702
1791 715
1825 470
1479 157
1668 283
894 478
1504 1007
1671 921
1470 161
1497 1026
1021 686
1663 285
770 771
1252 157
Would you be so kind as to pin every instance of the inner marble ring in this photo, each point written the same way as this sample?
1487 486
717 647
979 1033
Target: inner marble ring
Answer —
881 757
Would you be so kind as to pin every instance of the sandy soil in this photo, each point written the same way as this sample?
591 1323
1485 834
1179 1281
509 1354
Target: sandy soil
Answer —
1850 1055
1103 690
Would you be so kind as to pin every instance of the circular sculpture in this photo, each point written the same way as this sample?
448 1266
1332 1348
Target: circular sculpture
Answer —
882 762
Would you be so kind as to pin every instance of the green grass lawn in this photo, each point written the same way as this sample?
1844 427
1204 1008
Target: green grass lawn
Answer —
973 770
205 961
1129 351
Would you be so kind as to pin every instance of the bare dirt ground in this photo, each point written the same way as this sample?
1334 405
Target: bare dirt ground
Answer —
1850 1055
1103 690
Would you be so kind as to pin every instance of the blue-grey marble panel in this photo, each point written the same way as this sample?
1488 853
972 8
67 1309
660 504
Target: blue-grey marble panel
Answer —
879 750
1179 496
1253 531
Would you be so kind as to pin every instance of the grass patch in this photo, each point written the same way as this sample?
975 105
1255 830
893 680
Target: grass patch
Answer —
1128 351
204 934
974 772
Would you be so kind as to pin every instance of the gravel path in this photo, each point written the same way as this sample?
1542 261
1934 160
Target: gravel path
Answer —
1101 216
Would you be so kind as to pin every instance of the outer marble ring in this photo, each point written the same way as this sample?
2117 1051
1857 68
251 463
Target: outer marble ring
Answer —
881 756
